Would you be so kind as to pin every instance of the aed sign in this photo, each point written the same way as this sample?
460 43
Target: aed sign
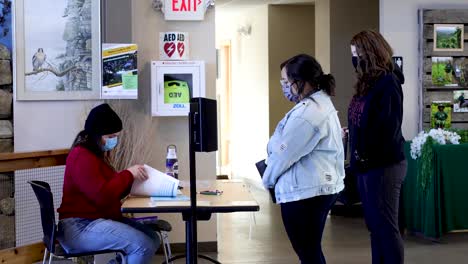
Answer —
184 9
173 46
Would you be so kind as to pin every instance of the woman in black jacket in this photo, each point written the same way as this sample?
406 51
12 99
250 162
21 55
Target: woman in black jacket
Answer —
374 119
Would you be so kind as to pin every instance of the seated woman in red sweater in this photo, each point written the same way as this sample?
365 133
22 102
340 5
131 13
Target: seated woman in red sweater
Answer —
90 217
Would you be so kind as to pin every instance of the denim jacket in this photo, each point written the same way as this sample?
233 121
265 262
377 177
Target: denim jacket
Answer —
305 153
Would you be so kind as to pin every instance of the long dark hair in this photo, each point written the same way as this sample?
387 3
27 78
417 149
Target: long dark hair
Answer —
304 69
90 142
374 60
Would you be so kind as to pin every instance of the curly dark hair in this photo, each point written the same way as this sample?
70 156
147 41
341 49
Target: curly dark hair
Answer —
374 59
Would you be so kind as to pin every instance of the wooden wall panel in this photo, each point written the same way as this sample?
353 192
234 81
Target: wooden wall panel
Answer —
430 92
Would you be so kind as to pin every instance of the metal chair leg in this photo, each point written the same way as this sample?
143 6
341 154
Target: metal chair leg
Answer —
163 246
167 243
51 256
45 256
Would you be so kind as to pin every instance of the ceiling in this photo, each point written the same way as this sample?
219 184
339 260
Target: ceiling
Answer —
251 3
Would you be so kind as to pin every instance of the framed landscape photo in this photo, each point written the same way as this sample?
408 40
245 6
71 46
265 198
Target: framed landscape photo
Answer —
58 49
448 37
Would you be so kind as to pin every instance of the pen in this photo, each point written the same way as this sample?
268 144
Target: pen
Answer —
214 192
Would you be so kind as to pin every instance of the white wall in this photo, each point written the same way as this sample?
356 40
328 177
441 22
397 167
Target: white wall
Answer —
47 125
322 33
398 23
249 86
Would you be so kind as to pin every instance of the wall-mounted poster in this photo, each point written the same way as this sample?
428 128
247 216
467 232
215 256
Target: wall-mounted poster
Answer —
460 101
174 46
448 37
58 49
119 71
441 114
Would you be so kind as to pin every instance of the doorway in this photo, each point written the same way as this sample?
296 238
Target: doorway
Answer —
224 97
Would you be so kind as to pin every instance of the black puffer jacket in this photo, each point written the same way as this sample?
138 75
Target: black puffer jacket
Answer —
374 122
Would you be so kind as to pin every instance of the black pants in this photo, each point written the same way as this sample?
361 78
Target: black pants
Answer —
380 194
304 221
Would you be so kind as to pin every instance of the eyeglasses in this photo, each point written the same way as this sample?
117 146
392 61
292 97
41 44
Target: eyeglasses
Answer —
286 82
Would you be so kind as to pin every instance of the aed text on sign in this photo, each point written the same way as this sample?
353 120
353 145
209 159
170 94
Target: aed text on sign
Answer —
185 5
175 95
174 37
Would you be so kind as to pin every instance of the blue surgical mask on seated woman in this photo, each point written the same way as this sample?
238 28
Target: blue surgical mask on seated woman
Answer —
110 144
288 93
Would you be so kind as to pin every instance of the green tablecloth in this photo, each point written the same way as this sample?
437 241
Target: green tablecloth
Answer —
444 207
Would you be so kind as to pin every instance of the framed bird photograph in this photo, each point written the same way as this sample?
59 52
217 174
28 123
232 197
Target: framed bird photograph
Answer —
58 49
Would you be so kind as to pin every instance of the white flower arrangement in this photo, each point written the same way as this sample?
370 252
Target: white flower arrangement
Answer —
440 136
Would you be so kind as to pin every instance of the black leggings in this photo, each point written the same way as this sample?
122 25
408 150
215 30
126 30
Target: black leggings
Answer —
304 221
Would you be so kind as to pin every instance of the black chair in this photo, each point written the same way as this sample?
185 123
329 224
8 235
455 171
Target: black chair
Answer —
49 227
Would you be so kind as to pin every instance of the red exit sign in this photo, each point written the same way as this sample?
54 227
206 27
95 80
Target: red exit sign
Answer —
184 9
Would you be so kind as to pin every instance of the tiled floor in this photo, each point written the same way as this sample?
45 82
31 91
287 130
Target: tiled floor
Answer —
345 241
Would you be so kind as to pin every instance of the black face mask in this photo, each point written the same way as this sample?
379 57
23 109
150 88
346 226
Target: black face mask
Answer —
362 63
355 61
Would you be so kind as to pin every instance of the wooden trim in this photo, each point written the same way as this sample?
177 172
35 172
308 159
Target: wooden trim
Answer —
26 254
31 160
37 154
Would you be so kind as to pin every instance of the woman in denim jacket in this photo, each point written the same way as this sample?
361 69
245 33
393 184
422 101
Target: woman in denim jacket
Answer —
305 164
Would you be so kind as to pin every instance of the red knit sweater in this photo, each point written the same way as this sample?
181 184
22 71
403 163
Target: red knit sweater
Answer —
92 189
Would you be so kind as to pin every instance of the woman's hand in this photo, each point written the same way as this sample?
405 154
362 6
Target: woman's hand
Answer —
139 173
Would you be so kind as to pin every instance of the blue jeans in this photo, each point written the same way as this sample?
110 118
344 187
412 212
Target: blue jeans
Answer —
137 240
380 195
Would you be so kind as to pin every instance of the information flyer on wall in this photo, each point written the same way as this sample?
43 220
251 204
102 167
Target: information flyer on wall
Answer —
120 72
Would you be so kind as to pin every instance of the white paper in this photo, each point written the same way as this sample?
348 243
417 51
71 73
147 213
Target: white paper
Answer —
157 184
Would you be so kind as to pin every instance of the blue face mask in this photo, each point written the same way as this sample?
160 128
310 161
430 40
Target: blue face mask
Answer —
110 144
288 93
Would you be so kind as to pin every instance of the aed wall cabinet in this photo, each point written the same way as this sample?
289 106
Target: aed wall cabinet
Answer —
173 84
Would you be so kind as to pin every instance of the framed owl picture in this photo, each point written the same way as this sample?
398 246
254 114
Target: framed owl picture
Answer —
58 50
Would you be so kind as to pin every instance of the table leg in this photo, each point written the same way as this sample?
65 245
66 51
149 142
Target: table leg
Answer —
188 241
